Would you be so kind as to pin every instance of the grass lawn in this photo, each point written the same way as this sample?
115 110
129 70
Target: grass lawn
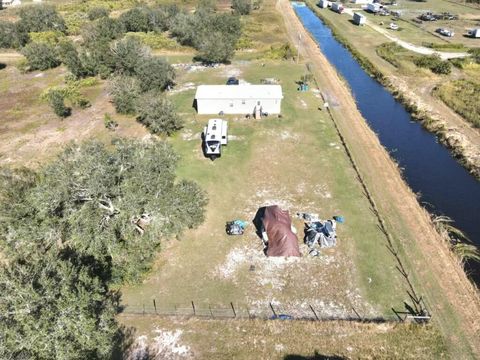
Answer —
296 162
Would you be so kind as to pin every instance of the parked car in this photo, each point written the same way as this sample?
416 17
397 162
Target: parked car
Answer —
393 26
445 32
232 81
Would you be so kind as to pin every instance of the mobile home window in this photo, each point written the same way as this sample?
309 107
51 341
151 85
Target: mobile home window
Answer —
243 102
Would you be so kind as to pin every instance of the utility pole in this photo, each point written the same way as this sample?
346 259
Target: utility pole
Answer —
298 47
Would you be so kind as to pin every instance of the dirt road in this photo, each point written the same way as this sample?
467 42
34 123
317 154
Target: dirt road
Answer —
453 300
415 48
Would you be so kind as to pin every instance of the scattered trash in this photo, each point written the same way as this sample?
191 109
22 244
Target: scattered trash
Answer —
236 227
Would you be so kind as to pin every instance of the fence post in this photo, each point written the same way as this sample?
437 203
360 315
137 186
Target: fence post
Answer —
193 307
273 310
175 306
155 306
314 313
234 313
211 313
248 311
356 313
143 309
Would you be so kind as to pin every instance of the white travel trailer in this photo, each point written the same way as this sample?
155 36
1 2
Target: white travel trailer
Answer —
359 19
215 134
324 4
475 33
373 7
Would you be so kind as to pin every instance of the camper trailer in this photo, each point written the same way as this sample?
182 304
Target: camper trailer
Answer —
337 7
373 7
359 19
475 33
323 4
214 136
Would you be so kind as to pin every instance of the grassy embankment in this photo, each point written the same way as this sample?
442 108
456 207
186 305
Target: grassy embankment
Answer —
365 45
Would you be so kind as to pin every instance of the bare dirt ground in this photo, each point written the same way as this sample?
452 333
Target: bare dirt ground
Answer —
449 292
29 131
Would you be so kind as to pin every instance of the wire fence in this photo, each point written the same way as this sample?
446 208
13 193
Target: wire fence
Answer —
269 312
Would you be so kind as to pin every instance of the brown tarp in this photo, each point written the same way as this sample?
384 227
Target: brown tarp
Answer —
281 240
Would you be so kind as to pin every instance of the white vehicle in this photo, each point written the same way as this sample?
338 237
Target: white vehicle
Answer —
393 26
215 134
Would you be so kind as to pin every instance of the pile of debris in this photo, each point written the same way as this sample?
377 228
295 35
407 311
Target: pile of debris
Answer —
319 234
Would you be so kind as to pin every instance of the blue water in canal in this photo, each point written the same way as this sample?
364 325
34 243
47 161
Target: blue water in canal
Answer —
429 168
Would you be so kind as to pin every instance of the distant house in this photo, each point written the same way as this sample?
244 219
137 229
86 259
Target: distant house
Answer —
238 99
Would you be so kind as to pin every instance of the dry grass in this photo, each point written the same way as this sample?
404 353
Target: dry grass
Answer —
250 339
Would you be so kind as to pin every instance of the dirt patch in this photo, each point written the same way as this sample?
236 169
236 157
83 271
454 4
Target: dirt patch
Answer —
164 345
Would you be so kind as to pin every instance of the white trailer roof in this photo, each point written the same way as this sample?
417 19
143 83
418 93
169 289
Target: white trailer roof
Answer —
239 92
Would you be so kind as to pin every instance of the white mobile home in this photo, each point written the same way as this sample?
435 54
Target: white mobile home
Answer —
238 99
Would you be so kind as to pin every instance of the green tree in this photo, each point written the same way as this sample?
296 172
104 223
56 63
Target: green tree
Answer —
41 17
40 56
154 74
242 7
115 204
56 305
125 91
69 56
127 55
103 29
56 99
158 114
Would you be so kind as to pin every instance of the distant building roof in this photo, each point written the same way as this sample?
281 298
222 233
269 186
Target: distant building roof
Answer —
239 92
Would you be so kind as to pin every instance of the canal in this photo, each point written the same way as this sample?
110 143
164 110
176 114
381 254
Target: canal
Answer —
429 169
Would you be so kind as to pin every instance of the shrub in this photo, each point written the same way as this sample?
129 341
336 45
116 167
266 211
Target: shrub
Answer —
41 17
40 56
138 19
12 35
56 99
158 114
69 56
97 13
154 74
49 37
434 63
125 91
242 7
283 52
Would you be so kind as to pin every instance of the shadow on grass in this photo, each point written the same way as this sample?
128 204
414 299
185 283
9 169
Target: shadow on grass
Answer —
315 356
2 66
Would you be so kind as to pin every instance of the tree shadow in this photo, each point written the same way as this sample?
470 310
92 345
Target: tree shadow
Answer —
124 342
2 66
315 356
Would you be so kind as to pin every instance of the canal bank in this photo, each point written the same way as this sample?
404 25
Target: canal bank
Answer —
444 186
454 301
466 153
